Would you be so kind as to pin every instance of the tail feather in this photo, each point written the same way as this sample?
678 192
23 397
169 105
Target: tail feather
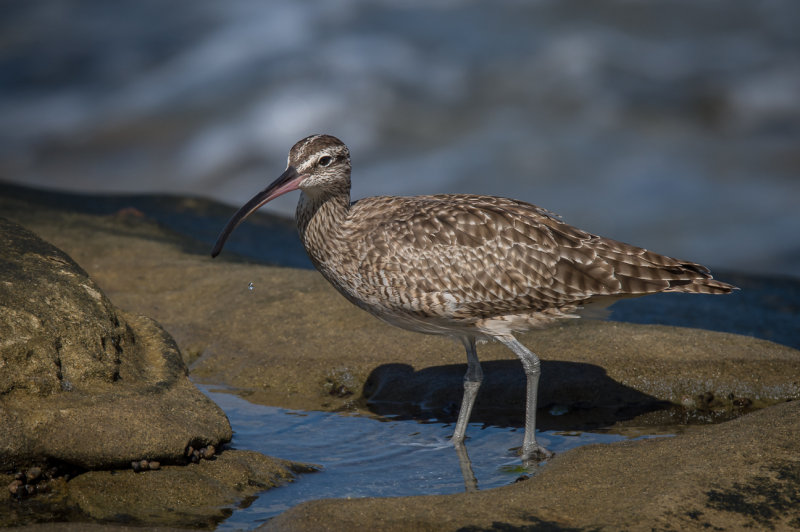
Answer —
640 271
703 286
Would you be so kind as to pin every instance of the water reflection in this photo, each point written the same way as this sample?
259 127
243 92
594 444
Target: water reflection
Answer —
368 457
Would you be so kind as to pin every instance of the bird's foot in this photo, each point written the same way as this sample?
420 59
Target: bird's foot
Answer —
535 454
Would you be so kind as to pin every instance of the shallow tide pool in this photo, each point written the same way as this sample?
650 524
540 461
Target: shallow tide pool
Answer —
365 456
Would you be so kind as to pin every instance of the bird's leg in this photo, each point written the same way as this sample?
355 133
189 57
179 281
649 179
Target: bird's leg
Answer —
531 451
472 382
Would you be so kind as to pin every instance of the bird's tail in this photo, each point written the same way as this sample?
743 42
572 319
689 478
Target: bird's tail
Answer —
701 286
642 272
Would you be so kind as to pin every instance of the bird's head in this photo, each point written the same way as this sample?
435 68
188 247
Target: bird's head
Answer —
318 165
322 163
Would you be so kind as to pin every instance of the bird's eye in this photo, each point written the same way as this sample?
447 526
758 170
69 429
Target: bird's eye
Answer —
325 160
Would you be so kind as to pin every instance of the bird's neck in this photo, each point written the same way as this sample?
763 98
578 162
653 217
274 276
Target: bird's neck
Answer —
319 219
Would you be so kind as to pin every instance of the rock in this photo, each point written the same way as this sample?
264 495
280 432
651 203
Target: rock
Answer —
197 495
90 527
85 384
82 382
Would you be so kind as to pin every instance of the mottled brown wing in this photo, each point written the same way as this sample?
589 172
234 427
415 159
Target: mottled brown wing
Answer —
478 256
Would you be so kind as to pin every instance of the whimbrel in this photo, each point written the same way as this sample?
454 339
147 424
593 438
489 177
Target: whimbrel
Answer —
465 266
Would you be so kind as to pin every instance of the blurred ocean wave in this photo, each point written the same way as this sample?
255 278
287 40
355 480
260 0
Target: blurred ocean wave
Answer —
674 125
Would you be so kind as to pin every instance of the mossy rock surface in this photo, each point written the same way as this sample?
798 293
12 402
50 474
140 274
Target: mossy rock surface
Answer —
82 382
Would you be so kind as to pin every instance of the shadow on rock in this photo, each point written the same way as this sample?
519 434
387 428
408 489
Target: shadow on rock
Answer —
572 395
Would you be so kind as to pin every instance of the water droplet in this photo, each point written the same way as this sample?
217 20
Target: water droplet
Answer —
251 287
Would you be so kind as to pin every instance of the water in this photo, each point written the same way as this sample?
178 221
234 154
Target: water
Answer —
373 457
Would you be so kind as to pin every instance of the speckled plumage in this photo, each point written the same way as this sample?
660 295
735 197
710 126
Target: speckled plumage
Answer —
463 265
463 262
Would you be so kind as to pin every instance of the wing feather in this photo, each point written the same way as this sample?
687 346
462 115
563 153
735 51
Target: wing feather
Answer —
480 256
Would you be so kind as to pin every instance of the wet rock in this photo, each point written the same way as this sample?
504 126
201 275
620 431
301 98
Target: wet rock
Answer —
90 527
126 382
339 382
196 495
82 382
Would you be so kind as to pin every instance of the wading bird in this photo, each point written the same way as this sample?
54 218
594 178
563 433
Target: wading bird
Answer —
465 266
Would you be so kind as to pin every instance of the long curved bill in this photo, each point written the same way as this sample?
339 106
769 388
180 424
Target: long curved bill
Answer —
288 181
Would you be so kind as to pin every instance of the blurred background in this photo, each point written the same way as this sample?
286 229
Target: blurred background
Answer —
674 125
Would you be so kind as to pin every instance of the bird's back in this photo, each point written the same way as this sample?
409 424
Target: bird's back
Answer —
462 259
